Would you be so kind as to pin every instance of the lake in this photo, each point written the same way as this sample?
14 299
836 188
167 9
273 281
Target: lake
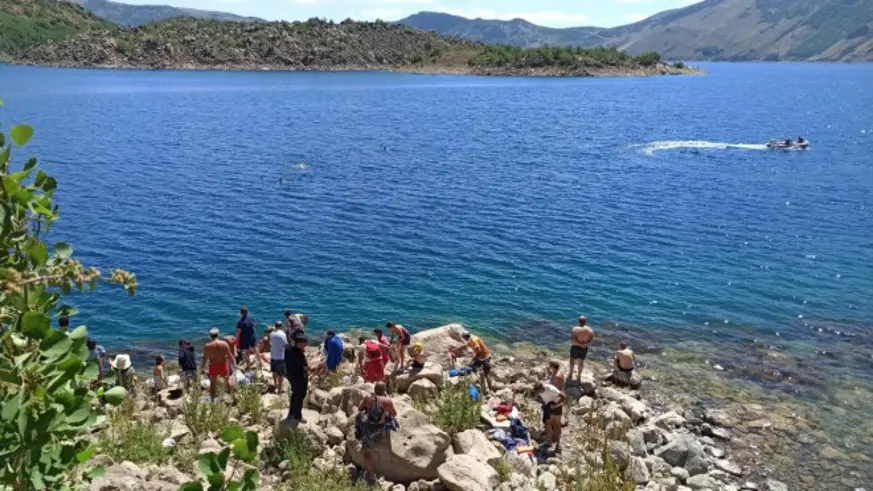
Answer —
509 204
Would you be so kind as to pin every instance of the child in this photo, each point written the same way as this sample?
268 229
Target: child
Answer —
160 376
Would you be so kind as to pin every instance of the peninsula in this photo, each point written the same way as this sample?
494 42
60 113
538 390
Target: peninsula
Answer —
53 33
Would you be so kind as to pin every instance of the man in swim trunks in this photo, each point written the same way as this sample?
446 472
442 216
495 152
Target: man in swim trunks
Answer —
400 340
623 365
556 378
245 333
481 358
218 359
580 338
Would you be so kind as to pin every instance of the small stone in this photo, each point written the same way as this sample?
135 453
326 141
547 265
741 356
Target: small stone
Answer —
703 481
547 482
334 435
751 486
680 473
718 417
715 452
638 471
774 485
210 445
696 465
668 420
729 467
719 433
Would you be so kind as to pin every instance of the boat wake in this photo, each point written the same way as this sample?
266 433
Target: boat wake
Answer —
651 148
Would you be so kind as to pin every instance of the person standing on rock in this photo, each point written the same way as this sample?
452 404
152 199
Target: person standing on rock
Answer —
481 358
97 353
376 416
557 378
297 370
400 340
580 338
278 343
333 351
294 323
245 335
553 408
187 363
371 361
218 361
384 344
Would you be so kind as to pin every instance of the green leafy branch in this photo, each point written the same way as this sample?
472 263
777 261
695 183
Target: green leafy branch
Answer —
244 446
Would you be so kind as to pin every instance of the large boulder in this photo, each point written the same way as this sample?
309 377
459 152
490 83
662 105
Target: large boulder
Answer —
683 450
431 371
634 408
310 428
638 471
413 452
352 397
475 443
668 421
437 342
422 389
466 473
125 476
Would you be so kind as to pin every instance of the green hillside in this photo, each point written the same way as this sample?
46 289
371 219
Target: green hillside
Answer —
137 15
26 23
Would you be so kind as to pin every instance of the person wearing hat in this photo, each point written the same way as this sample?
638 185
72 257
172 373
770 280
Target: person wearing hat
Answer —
481 357
297 372
123 372
417 356
217 362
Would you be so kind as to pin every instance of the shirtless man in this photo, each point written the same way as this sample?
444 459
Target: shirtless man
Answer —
218 359
624 358
556 378
580 338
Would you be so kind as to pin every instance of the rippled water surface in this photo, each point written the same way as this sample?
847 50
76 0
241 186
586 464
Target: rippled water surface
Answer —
509 204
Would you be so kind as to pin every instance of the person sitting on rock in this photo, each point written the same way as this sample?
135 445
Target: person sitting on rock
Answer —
400 339
376 417
417 357
371 362
556 378
481 358
623 365
553 407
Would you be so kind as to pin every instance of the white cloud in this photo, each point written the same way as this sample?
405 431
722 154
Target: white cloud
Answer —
546 17
380 13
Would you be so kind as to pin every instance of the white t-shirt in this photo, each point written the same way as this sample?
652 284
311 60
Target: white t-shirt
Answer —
550 394
278 342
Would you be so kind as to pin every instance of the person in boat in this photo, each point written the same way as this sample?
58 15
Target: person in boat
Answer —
788 142
800 140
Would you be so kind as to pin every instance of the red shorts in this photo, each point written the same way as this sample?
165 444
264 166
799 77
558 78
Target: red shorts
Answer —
219 370
374 371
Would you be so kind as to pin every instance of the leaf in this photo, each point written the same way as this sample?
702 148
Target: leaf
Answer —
58 351
96 472
252 441
222 458
30 164
4 155
191 486
39 253
10 185
11 406
21 134
63 250
70 362
232 433
40 178
250 478
35 325
86 454
79 334
50 184
216 480
92 371
115 395
241 450
208 464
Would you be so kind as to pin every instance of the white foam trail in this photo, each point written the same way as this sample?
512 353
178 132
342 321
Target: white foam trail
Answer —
651 148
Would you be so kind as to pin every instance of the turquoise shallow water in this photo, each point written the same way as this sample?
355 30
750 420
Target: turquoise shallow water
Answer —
511 205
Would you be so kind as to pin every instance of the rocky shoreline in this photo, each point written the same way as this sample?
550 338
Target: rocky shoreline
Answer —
644 440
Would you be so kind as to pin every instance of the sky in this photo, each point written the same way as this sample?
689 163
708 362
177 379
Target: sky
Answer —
553 13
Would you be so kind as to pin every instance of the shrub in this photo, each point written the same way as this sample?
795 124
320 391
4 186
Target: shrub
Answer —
504 470
46 395
294 447
648 59
214 466
248 402
133 440
453 410
204 417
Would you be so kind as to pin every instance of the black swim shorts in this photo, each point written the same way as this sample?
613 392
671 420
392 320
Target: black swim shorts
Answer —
578 352
484 364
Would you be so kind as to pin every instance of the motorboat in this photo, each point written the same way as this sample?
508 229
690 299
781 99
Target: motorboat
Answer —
787 145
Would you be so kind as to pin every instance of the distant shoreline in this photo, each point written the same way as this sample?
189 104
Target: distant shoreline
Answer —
656 71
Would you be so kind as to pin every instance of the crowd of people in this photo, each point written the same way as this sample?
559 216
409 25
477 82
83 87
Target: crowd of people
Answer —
283 348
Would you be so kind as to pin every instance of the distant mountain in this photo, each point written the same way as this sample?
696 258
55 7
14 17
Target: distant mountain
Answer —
137 15
518 32
735 30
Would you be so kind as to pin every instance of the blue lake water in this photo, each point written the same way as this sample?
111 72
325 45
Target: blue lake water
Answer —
509 204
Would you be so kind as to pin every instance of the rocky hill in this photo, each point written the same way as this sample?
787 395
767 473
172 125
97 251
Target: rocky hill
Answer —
518 32
26 23
137 15
324 45
735 30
